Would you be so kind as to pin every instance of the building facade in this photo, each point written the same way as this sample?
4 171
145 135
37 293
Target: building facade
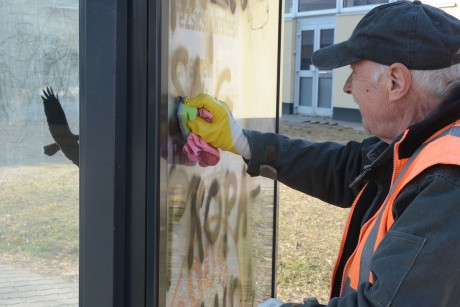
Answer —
313 24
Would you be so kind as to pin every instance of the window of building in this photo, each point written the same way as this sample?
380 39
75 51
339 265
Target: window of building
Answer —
299 6
313 5
352 3
307 49
289 7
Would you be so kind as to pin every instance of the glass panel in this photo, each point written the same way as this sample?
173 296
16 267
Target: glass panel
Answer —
39 208
350 3
288 7
326 37
325 92
313 5
220 221
306 49
305 92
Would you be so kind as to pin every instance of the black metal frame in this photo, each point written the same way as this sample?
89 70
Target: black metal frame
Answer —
158 13
113 91
277 130
102 156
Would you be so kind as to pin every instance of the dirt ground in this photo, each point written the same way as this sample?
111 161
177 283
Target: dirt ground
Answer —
310 230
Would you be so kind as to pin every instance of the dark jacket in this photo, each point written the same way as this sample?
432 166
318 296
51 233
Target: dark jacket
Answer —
417 262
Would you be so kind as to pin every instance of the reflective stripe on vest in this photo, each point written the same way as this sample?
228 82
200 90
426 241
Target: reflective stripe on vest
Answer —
442 148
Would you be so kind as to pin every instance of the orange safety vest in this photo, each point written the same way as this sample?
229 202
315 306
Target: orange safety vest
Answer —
441 148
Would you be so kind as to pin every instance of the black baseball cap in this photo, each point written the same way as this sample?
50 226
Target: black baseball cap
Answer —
417 35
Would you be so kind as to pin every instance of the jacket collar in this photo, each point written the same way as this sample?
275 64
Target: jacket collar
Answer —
418 133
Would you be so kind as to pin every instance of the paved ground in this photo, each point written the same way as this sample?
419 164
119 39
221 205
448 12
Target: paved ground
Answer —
299 119
24 289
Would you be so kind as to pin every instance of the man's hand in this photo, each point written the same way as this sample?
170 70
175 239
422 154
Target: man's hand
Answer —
223 132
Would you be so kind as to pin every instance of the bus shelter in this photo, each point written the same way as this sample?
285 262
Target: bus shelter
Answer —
135 222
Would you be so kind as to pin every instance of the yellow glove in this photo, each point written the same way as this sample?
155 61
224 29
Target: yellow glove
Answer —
223 132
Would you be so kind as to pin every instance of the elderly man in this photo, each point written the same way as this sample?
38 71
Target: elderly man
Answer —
401 246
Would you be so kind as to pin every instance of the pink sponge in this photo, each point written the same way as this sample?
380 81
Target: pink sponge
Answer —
199 151
195 148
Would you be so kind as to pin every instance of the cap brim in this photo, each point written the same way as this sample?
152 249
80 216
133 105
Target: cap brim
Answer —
333 56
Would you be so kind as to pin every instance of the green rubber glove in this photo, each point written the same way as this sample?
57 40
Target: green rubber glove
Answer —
223 132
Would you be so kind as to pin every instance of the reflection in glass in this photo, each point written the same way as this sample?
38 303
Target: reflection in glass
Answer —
313 5
306 49
38 192
305 91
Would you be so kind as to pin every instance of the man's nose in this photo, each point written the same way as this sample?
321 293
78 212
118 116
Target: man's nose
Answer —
347 85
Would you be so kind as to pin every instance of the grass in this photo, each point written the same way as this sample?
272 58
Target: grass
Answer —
309 230
39 218
39 222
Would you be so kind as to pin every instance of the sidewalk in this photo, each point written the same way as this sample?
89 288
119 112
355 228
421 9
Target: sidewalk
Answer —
25 289
297 119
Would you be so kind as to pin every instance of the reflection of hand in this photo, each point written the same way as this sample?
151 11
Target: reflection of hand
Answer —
223 132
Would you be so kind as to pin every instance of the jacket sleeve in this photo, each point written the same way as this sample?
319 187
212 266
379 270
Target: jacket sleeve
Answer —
416 264
322 170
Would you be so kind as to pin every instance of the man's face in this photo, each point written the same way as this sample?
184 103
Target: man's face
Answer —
371 96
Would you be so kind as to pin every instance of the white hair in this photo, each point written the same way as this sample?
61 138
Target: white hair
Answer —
379 70
439 82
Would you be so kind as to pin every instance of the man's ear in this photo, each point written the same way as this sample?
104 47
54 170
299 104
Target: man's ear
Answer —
400 80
